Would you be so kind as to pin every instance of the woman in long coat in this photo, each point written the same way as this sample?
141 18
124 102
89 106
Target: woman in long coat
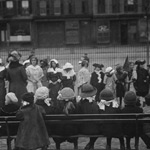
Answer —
32 133
16 75
2 83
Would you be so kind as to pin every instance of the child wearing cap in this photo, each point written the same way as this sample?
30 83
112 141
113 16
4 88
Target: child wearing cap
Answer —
66 104
32 133
129 128
88 105
108 105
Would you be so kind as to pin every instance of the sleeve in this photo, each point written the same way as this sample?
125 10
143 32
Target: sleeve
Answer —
23 73
20 115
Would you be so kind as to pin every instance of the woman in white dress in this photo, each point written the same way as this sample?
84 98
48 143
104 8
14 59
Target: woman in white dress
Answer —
34 73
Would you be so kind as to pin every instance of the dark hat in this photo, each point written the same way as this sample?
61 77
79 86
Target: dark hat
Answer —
28 97
98 65
140 62
106 94
87 90
130 98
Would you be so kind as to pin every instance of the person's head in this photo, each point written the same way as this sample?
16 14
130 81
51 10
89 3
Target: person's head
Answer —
66 94
109 71
140 63
28 98
119 69
26 63
98 67
43 63
106 94
41 93
34 60
130 98
84 63
147 99
54 63
10 98
67 67
87 90
131 65
14 56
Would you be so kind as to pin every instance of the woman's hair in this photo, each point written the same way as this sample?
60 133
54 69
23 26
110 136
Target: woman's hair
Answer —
57 64
33 57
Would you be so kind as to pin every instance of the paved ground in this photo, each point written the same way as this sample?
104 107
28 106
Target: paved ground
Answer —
109 56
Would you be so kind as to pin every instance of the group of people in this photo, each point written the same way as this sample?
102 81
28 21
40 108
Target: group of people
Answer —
39 88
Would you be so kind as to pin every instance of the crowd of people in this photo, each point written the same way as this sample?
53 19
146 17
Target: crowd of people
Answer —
36 88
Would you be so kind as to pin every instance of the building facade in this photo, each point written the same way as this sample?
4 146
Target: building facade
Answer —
60 23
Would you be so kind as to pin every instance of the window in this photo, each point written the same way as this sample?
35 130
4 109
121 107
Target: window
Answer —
115 6
57 7
101 6
9 4
103 32
130 6
145 5
20 32
70 7
43 7
25 7
84 6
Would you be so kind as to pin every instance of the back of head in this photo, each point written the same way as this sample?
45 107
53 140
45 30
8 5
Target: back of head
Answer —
130 98
28 97
10 98
106 94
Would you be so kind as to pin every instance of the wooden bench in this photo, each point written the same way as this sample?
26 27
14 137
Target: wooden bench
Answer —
78 119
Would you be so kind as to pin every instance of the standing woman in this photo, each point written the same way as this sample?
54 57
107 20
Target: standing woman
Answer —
2 83
54 76
16 75
68 76
34 73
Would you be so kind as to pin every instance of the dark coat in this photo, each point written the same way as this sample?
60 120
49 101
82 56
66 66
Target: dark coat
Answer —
99 86
85 107
113 129
16 75
142 82
2 87
9 110
32 133
129 128
65 129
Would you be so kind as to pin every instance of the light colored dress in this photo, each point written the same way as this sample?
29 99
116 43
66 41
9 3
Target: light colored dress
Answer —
34 73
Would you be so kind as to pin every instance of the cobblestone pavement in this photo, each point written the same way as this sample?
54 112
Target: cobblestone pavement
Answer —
100 144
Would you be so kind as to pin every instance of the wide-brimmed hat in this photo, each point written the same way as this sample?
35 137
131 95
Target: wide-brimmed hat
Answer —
87 90
67 66
10 98
16 55
140 62
26 62
54 60
106 94
98 65
28 97
66 94
109 70
42 93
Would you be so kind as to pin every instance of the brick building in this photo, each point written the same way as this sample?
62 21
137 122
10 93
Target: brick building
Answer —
59 23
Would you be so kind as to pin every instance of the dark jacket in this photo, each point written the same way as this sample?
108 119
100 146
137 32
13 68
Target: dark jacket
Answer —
112 129
86 107
16 75
129 128
32 133
9 110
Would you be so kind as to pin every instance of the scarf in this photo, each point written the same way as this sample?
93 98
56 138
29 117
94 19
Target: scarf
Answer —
99 76
104 103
